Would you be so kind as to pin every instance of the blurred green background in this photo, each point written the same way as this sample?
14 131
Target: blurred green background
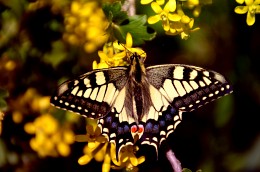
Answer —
36 55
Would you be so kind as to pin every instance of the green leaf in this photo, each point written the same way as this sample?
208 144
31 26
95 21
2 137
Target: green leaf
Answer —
57 54
3 105
121 24
136 26
114 13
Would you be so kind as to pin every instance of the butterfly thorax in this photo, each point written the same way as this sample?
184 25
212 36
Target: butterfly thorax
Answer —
138 98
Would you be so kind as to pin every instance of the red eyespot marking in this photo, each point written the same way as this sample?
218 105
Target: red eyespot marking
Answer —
140 128
134 129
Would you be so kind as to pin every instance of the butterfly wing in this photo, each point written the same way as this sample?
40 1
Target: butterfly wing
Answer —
187 87
100 94
173 90
91 94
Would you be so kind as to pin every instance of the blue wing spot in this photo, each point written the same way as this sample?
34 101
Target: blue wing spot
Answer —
168 117
148 127
109 120
126 129
172 110
114 125
156 128
162 123
120 130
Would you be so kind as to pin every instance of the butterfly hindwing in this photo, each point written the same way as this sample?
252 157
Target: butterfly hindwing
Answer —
161 120
91 94
187 87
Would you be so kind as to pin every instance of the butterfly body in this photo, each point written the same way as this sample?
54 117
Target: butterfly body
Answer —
141 104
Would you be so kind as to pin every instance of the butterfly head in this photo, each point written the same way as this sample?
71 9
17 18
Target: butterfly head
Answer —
137 68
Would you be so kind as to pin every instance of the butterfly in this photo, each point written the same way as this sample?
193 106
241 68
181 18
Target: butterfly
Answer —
137 103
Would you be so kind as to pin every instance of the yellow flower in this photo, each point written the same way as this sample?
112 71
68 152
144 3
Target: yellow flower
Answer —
50 138
97 143
116 54
240 1
183 27
108 58
127 158
163 14
100 149
86 24
195 5
251 7
160 2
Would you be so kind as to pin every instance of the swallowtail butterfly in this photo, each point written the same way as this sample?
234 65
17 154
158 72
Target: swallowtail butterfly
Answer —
141 104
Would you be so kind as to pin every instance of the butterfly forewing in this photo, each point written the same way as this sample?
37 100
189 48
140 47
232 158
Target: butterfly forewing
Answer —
187 87
91 94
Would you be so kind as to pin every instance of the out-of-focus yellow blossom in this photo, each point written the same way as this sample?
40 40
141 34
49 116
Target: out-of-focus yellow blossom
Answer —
51 139
115 54
1 119
195 5
10 65
163 14
29 102
86 24
251 7
56 5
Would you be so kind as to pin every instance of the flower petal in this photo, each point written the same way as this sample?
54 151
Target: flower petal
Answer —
172 5
92 145
249 2
146 1
153 19
156 7
185 19
241 9
85 159
174 17
133 159
250 19
141 159
240 1
129 40
160 2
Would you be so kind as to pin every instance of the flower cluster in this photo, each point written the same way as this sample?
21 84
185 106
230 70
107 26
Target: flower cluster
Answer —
172 16
100 149
85 24
51 139
115 54
251 7
56 5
